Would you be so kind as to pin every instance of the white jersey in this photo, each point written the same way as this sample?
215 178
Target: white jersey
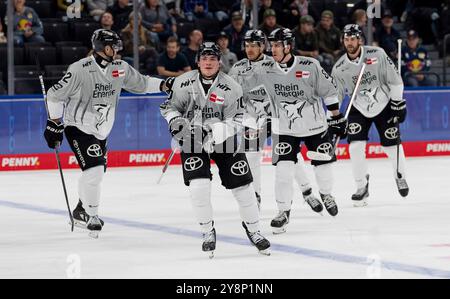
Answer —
256 98
87 96
296 94
380 83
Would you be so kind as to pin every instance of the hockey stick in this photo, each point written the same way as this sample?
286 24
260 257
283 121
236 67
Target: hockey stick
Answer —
313 155
399 175
166 165
58 160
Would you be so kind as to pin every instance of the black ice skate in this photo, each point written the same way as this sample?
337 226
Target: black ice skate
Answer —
362 194
312 201
209 242
402 186
80 217
261 243
280 222
330 204
258 200
94 226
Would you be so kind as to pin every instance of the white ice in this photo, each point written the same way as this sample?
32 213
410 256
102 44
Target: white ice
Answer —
150 230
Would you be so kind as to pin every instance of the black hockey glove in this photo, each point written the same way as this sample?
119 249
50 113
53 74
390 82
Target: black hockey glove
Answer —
337 125
398 110
179 128
53 133
168 84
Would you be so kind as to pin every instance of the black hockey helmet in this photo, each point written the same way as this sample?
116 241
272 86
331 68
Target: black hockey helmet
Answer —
209 48
283 35
352 30
104 37
255 36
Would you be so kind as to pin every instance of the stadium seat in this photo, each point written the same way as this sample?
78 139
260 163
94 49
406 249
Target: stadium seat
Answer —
46 55
55 70
55 32
68 55
68 44
27 86
18 58
43 8
183 30
209 27
83 32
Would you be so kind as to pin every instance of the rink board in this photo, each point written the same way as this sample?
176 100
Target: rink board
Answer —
140 135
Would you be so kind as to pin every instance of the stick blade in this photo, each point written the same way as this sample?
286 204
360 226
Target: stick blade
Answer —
318 156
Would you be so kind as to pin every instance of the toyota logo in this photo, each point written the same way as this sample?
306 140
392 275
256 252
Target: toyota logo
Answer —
240 168
283 148
95 151
391 133
354 128
193 163
325 148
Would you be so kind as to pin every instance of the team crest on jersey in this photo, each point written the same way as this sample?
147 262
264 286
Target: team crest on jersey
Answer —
370 61
216 99
118 73
302 74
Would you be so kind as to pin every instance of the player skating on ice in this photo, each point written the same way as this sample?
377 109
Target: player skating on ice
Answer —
83 105
379 100
204 112
257 118
298 87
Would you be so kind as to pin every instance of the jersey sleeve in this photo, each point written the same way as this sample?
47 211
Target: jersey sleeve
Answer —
391 77
340 85
326 88
173 106
61 92
135 82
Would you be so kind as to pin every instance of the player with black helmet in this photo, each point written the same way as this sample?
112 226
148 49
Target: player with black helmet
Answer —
204 112
83 105
379 100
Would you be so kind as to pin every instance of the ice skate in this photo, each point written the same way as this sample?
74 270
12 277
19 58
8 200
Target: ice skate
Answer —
261 243
312 201
280 222
361 196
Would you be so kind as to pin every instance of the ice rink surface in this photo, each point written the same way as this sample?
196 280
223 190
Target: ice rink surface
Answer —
150 230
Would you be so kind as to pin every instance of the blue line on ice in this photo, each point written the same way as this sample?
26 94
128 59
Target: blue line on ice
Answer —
325 255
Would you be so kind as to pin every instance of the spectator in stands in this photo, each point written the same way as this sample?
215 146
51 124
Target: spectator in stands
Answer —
360 18
171 63
424 17
269 4
329 40
147 53
190 52
156 18
306 39
270 22
3 39
228 58
415 60
196 9
236 31
245 7
387 36
121 11
107 21
71 7
295 9
98 7
27 25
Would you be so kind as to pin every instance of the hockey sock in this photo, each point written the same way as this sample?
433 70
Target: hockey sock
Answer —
357 151
324 178
248 207
284 186
254 160
200 191
391 152
300 174
89 189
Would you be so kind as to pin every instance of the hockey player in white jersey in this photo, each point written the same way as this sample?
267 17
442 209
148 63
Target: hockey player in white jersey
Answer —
379 101
298 87
204 111
83 105
257 118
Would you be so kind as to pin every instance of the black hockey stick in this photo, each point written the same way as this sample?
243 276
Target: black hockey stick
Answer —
312 155
58 160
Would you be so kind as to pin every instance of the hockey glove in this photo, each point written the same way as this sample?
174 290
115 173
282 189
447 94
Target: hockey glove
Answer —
168 84
179 128
53 133
337 125
398 110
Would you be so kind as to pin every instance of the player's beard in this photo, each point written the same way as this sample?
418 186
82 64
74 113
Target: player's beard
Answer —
353 50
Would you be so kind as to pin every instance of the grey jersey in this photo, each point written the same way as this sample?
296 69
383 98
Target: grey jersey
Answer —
380 83
296 93
90 94
223 102
256 99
